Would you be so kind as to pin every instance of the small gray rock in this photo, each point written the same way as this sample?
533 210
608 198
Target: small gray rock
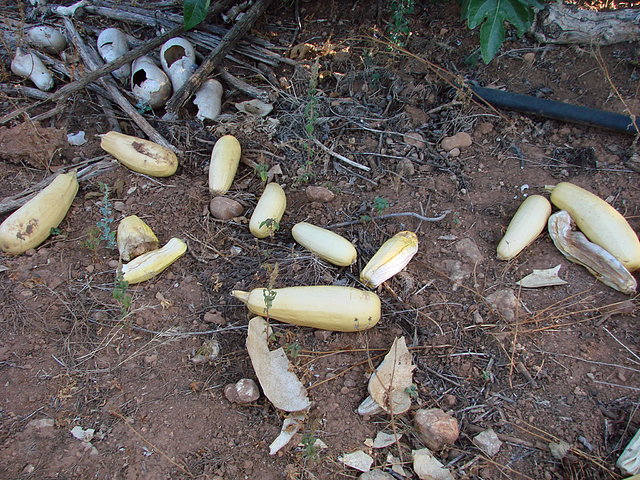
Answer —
488 442
224 208
376 475
468 250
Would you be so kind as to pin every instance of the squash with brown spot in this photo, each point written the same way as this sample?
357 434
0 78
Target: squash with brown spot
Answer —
31 224
140 155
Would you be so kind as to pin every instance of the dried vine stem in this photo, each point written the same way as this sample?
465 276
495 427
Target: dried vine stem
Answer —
393 215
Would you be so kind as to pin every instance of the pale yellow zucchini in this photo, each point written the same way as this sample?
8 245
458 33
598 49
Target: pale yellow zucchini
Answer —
152 263
391 258
342 309
528 222
266 217
225 158
600 222
326 244
31 224
140 155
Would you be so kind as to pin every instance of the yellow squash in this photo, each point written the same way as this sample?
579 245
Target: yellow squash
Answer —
325 243
391 258
150 264
342 309
134 238
225 158
31 224
140 155
266 217
600 222
527 223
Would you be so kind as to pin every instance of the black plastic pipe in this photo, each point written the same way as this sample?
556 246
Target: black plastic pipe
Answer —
565 112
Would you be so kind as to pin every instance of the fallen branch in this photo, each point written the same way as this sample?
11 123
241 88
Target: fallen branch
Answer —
90 58
567 24
342 158
179 98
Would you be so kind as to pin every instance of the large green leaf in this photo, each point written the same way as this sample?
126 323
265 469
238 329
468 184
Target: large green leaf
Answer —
491 16
194 12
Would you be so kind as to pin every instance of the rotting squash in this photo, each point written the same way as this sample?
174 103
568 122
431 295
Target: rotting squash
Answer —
140 155
266 217
527 223
326 244
31 224
225 158
599 221
152 263
134 238
391 258
327 307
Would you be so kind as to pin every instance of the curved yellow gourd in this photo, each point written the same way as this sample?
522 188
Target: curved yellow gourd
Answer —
326 244
600 222
225 158
342 309
150 264
525 226
268 212
31 224
140 155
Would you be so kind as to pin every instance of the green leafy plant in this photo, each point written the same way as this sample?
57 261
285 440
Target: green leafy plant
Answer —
106 219
272 224
262 169
93 239
120 295
380 204
398 27
492 15
309 448
293 350
269 293
194 12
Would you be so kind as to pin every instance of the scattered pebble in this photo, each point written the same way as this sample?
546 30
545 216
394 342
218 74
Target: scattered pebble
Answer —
215 317
454 152
436 428
319 194
244 391
488 442
506 303
469 250
529 57
119 206
459 140
405 168
414 139
224 208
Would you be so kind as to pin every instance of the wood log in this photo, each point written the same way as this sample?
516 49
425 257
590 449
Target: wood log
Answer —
566 24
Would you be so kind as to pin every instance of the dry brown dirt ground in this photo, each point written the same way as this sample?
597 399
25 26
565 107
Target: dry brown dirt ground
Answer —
564 368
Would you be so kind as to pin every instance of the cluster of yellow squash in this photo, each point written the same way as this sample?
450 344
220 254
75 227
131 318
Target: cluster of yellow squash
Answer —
600 222
329 307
